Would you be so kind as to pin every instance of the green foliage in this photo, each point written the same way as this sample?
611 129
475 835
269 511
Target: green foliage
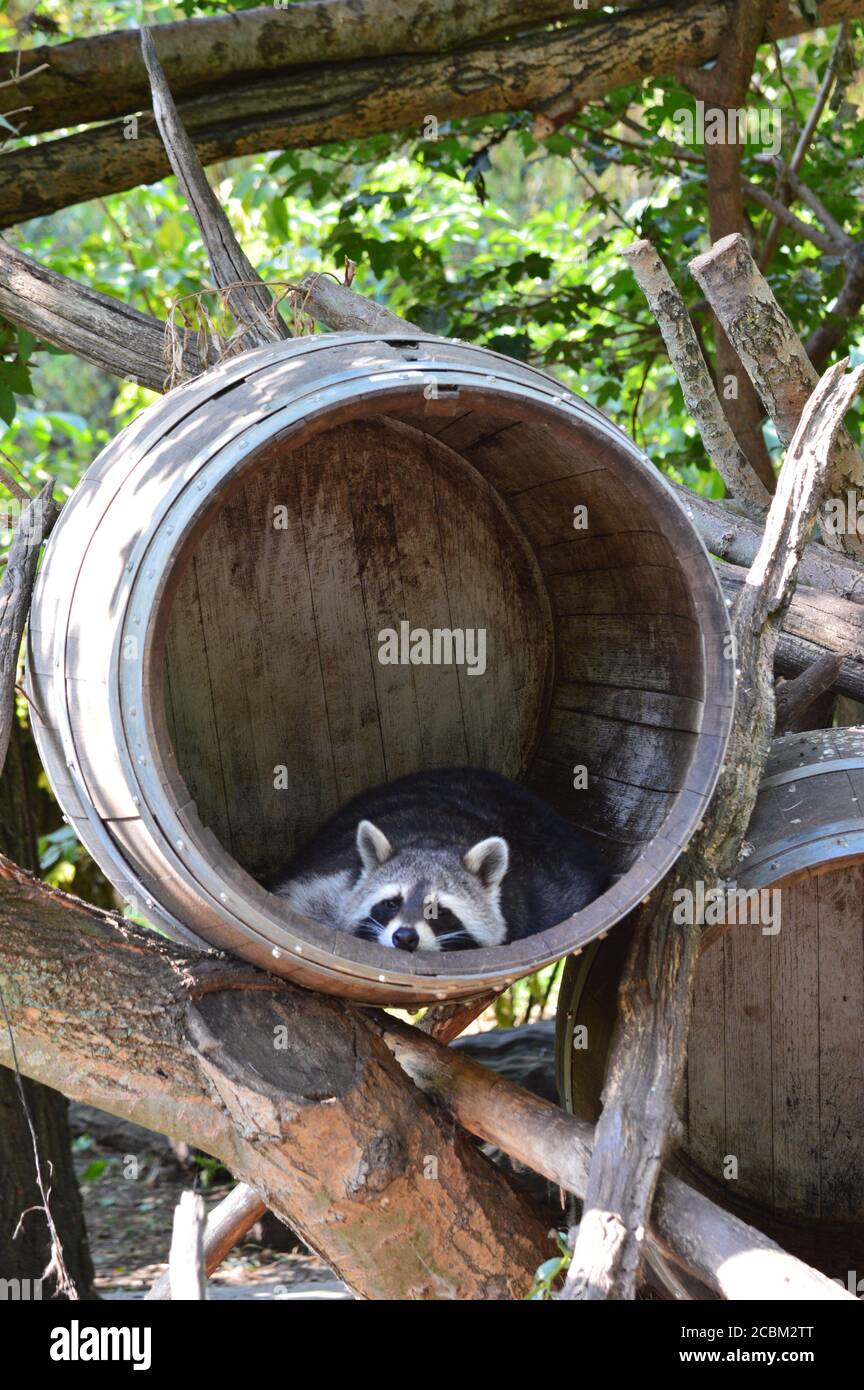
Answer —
209 1170
93 1170
535 996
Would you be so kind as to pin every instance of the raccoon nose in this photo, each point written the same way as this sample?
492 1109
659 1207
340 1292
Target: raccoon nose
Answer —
406 938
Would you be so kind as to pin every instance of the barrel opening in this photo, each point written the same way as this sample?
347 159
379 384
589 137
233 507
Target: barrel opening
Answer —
580 600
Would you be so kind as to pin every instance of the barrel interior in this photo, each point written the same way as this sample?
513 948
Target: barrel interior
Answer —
473 516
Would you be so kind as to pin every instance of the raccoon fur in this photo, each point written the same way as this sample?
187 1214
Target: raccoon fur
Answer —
446 860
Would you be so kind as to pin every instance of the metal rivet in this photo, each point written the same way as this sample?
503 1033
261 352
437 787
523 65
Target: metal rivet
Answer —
180 844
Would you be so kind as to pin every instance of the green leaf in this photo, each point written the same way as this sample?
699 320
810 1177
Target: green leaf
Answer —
94 1170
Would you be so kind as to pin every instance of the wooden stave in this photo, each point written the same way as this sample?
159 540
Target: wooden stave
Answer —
658 855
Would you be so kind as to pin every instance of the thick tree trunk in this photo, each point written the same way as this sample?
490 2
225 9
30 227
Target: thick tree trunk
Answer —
313 104
27 1255
24 815
294 1092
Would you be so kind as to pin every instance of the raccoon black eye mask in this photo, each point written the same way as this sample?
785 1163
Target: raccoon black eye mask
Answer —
448 860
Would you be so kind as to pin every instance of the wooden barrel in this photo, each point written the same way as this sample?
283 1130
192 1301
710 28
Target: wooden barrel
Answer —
206 637
773 1103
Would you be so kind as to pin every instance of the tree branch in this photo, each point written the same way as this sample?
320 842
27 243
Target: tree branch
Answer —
93 79
692 372
731 1258
782 213
794 698
737 539
129 344
248 298
313 104
775 361
725 86
804 142
33 527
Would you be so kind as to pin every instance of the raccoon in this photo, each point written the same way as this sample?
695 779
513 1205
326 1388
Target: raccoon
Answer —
447 860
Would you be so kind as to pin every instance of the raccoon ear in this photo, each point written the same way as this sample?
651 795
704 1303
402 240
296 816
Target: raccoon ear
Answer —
372 845
488 861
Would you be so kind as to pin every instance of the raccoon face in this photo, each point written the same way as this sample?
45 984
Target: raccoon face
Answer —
427 900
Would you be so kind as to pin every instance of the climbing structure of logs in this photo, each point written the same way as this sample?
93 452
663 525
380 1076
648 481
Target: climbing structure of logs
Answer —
356 1107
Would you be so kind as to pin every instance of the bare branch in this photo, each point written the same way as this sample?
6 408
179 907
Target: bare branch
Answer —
775 360
793 698
343 100
226 1226
737 539
804 229
692 371
730 1257
805 140
15 588
249 299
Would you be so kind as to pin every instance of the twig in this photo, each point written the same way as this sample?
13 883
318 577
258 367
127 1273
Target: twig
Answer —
16 488
20 77
826 243
804 141
56 1267
802 190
